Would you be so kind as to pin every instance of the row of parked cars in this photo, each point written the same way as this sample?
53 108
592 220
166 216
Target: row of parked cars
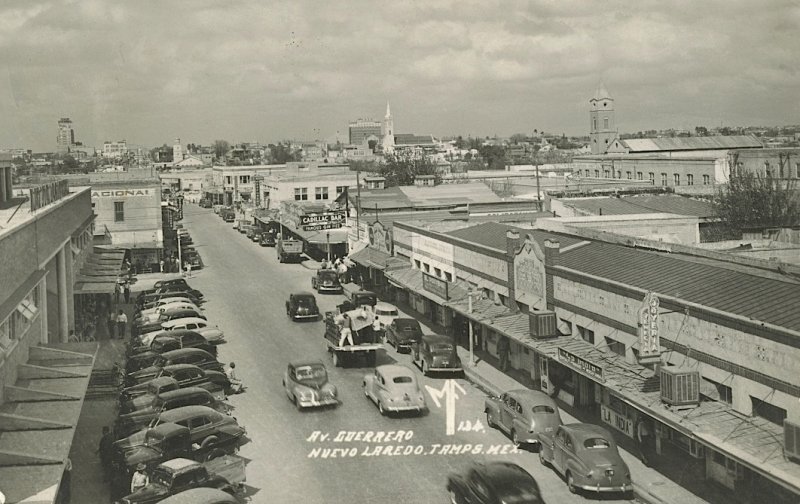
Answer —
174 420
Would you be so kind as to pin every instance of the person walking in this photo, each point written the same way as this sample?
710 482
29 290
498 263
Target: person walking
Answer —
122 321
117 291
126 290
188 269
139 479
161 265
236 384
106 450
502 352
377 328
644 435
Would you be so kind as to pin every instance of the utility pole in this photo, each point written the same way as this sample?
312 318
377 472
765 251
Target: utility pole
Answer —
358 205
538 191
180 260
471 344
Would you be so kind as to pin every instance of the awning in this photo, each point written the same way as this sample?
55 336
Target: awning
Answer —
411 279
332 236
371 258
100 271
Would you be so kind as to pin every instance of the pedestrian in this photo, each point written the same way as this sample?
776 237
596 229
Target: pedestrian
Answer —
65 490
110 323
105 450
644 436
377 328
502 352
323 264
126 290
236 384
341 270
345 333
139 479
188 269
122 320
337 262
161 265
117 291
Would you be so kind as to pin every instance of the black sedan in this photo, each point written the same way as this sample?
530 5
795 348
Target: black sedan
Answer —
402 333
302 306
494 483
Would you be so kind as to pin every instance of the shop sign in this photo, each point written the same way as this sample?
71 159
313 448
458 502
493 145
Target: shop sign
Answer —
529 272
324 220
120 193
435 285
614 419
380 237
649 342
580 364
43 195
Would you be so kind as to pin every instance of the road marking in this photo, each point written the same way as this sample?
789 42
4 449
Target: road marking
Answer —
449 394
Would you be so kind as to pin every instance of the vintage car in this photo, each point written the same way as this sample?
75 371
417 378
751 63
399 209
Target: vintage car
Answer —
192 323
201 496
160 302
394 388
302 306
128 423
586 456
166 312
385 313
435 353
145 298
201 421
306 384
163 305
236 224
181 338
187 375
171 281
402 333
267 239
194 356
494 483
212 335
326 280
154 387
523 414
253 234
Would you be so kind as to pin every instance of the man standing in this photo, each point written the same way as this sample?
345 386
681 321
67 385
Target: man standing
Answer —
139 479
122 321
188 269
116 293
126 290
645 436
345 333
377 328
161 265
502 352
105 450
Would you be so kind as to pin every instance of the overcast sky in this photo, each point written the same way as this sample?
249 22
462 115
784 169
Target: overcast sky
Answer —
152 70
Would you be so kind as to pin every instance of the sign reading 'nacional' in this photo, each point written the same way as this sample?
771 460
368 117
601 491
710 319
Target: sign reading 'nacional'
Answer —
435 285
324 220
649 341
120 193
580 364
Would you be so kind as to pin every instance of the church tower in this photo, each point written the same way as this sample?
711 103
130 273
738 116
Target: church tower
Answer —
602 124
388 131
177 152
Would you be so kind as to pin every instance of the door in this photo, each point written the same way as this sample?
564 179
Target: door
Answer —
183 482
507 411
559 446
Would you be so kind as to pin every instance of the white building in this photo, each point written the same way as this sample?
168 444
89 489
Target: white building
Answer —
115 149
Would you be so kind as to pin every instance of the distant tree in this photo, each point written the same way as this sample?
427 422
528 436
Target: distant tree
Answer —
69 164
460 142
362 165
701 131
282 153
402 168
518 137
494 155
755 201
221 148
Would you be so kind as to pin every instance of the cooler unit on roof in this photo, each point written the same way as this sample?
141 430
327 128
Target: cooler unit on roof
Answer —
680 386
791 440
543 324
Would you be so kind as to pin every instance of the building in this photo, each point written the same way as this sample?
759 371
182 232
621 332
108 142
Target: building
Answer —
115 149
364 130
177 152
44 241
318 183
782 163
602 121
66 135
234 185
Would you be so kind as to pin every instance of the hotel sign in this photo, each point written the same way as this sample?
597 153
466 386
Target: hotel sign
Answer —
435 285
580 364
649 342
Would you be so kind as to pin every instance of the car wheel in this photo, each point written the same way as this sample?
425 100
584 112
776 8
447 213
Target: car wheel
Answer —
215 453
425 370
514 438
454 497
490 420
366 394
380 409
336 361
571 483
542 460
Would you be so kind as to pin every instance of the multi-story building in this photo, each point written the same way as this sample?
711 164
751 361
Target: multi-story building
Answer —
310 182
66 135
363 130
237 184
115 149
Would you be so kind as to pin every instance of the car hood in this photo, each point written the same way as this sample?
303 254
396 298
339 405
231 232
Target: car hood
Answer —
134 440
315 384
141 455
151 493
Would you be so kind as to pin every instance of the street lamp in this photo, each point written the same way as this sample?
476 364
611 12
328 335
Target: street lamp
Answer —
470 292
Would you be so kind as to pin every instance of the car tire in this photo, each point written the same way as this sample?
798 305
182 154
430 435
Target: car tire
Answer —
336 359
455 498
571 483
542 460
425 370
215 453
490 420
514 438
380 409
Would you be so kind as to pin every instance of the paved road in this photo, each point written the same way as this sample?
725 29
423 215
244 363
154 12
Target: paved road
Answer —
246 289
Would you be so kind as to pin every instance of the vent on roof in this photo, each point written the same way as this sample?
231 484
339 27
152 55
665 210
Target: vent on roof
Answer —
543 324
680 386
791 440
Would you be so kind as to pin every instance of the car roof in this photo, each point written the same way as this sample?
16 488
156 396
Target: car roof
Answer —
200 495
171 394
185 351
586 430
161 381
406 321
302 294
437 338
306 362
179 367
503 473
177 333
183 320
532 397
381 305
178 464
392 370
185 412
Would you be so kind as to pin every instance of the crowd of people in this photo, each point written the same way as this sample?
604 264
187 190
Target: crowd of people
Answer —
341 265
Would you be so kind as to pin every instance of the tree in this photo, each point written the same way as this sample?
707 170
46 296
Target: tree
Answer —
362 165
756 201
69 164
494 155
221 148
701 131
282 153
402 168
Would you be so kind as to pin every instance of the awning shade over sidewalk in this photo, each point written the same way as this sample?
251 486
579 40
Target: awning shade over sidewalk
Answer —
100 271
371 258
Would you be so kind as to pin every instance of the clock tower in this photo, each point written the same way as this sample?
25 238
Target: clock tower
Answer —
602 123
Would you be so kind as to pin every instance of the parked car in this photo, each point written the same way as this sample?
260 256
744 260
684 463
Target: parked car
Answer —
154 387
326 280
177 288
435 353
211 334
161 302
145 298
494 483
306 384
523 414
586 456
182 338
192 323
187 375
394 388
172 281
153 314
194 356
235 224
302 306
267 239
386 313
252 233
201 496
172 395
402 333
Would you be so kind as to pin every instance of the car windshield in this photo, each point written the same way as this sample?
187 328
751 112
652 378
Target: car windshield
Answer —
386 313
327 275
160 361
158 403
544 409
310 372
402 379
596 443
304 301
441 347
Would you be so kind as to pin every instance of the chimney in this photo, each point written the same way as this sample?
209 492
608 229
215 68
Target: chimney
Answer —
512 245
552 249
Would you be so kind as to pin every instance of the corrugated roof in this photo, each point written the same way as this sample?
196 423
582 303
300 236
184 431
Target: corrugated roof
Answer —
744 292
451 194
411 139
493 234
691 143
628 205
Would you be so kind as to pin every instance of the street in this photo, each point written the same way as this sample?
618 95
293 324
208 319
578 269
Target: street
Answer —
307 455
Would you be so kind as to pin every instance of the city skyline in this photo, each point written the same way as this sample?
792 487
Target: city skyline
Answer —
150 72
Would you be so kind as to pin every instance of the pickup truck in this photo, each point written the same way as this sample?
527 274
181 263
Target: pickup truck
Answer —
366 342
226 473
357 297
289 250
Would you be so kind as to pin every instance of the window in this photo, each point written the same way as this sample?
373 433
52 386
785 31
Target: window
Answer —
605 124
427 267
586 334
417 264
597 174
689 179
639 175
652 178
244 179
677 178
300 193
768 411
567 324
628 175
664 179
594 124
616 346
606 173
448 276
228 179
119 211
340 189
502 299
587 173
720 392
705 179
321 193
437 271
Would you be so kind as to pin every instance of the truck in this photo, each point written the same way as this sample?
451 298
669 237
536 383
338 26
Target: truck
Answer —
357 297
289 250
366 342
226 473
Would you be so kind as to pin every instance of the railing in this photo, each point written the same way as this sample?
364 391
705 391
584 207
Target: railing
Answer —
44 194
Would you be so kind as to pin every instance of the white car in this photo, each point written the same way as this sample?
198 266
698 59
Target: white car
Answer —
211 333
385 313
192 323
152 314
394 388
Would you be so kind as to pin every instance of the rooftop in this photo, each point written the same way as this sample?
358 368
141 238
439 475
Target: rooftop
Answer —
493 234
639 204
691 143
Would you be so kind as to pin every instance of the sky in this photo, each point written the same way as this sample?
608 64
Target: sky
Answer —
149 71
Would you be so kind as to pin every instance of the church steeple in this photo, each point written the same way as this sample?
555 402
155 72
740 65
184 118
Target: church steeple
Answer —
602 123
388 111
388 131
